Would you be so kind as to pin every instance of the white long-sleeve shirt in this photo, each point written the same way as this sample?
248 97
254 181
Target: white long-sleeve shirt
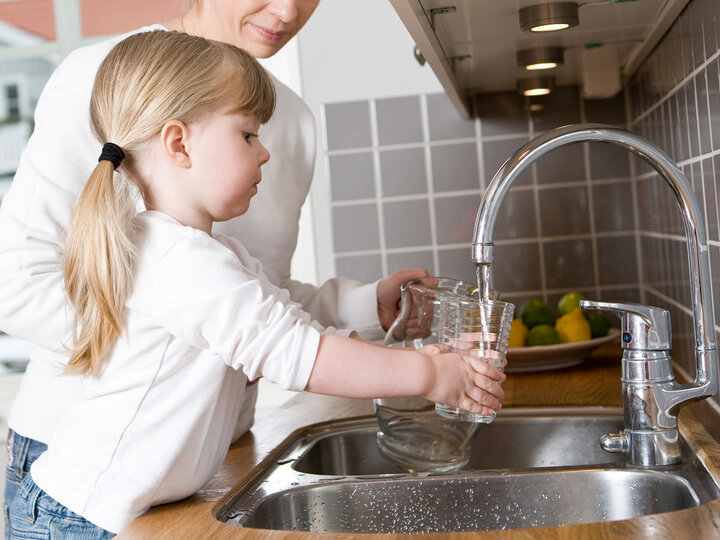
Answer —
54 167
153 428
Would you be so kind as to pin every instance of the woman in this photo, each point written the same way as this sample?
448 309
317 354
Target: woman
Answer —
36 211
153 341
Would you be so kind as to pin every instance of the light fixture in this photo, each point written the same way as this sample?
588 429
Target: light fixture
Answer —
536 86
540 58
549 17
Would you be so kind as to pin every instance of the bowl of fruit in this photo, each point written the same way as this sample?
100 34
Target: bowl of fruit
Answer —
543 339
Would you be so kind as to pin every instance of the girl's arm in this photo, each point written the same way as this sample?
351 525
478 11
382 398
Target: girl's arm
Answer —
355 368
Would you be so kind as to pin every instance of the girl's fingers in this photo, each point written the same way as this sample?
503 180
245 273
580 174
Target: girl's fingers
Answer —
488 386
480 404
482 367
486 399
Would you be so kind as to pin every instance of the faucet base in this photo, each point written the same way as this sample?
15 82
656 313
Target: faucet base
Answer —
653 448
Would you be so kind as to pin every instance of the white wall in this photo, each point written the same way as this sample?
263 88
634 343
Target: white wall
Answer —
285 65
349 50
353 50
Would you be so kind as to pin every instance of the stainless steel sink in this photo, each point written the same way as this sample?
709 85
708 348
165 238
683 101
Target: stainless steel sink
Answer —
529 468
513 440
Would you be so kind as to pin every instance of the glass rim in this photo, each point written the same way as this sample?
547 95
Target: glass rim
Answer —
444 285
475 301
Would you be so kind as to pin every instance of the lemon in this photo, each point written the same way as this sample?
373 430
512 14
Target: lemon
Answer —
518 333
573 326
569 302
542 334
599 325
538 314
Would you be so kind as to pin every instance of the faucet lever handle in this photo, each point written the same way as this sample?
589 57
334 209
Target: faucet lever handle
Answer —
643 327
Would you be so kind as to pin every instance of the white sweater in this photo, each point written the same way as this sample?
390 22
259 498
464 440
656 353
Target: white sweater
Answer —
153 428
57 162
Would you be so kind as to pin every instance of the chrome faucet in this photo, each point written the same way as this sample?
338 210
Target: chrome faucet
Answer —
651 396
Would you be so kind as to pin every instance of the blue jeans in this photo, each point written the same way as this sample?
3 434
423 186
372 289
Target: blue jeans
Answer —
21 453
37 516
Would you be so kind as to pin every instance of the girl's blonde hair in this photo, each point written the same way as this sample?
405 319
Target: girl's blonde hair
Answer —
146 80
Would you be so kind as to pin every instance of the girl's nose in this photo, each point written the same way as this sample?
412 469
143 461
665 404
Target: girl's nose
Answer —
264 155
285 10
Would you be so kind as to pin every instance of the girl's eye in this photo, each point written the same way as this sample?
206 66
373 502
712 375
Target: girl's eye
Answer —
249 135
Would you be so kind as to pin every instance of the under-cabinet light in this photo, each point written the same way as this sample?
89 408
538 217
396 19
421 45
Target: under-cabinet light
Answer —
549 17
536 86
540 58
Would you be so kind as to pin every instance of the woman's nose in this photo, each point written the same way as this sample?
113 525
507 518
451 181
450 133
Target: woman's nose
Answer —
285 10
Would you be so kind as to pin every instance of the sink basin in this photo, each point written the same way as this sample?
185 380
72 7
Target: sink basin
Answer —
512 440
529 468
472 503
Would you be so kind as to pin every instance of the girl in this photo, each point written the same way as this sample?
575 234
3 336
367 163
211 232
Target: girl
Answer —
57 161
172 322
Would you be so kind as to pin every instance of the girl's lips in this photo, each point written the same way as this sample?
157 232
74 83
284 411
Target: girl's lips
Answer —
269 35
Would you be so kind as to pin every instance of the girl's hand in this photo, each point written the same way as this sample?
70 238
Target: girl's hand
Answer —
464 381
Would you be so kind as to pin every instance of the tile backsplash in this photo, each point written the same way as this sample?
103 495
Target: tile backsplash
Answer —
586 217
674 101
407 175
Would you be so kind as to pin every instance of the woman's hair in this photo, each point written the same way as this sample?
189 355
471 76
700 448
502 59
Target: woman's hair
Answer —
145 81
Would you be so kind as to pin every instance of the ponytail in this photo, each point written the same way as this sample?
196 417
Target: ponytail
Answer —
97 267
146 80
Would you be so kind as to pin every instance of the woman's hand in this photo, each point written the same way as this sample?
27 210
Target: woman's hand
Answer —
465 381
388 294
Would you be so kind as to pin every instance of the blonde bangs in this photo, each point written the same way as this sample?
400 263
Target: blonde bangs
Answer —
249 88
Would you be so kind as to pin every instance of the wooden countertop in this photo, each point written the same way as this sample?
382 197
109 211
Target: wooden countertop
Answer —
595 382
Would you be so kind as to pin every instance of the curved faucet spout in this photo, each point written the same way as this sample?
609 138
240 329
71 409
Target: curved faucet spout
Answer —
705 383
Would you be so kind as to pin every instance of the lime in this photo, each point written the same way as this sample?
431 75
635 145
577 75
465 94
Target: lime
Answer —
533 303
536 315
569 302
573 327
599 325
542 334
518 333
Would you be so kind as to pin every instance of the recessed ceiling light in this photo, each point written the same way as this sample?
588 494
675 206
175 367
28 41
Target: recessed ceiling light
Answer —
536 86
540 58
549 17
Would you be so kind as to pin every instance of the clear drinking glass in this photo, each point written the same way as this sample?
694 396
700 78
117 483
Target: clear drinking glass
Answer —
474 328
410 433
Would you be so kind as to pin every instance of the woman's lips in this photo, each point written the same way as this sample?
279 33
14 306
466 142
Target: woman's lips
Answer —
269 35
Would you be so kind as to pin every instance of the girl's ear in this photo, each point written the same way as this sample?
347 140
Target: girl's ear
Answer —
174 138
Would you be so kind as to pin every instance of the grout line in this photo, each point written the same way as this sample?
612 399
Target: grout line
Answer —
669 300
536 204
400 146
590 202
662 236
427 141
425 121
375 138
474 192
479 150
636 210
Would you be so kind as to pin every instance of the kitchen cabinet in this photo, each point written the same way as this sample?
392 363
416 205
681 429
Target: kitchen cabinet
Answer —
472 45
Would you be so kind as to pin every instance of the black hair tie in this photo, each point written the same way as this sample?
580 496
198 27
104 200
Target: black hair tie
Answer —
113 153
